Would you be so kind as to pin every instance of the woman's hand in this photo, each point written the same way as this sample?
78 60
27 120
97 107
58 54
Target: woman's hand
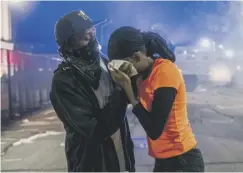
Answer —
128 68
121 78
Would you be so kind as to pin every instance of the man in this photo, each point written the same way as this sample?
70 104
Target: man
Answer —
91 107
161 106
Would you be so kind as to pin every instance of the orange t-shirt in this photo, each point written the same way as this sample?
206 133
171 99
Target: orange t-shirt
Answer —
177 137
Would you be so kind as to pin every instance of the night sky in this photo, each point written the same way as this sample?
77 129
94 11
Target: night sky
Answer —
181 22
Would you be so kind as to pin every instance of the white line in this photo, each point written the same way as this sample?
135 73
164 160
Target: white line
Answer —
51 118
35 123
222 121
11 160
48 112
36 136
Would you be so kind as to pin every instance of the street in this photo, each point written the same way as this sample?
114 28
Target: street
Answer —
37 142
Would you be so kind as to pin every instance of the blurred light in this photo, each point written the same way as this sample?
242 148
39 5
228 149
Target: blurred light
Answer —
17 3
185 52
195 50
238 68
40 69
229 53
22 8
205 43
99 47
220 46
220 73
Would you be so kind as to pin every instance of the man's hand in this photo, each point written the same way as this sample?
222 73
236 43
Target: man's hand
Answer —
121 78
125 82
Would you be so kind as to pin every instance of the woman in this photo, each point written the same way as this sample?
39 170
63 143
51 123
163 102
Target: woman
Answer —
161 105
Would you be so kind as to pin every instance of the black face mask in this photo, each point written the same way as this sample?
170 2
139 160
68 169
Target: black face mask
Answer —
89 53
86 60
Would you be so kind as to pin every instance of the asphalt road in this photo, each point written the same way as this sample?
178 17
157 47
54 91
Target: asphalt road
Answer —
41 148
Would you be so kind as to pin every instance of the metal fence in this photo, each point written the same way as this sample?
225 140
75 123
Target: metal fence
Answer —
25 82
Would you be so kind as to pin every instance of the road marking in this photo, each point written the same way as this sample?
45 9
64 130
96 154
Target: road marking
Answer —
11 160
25 121
36 136
48 112
51 118
34 123
222 121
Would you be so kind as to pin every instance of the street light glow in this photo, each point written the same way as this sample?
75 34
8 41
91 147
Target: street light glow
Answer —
15 1
205 43
229 53
238 68
220 46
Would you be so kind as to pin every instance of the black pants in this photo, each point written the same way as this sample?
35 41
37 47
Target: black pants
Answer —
191 161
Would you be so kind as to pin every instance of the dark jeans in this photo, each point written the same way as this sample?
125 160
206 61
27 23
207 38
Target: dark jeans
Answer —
191 161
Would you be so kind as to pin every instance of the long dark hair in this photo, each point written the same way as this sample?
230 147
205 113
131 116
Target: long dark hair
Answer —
126 40
157 46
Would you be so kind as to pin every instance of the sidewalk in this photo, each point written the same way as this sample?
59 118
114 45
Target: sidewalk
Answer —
39 122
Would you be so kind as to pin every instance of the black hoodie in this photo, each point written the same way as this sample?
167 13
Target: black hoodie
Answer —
88 145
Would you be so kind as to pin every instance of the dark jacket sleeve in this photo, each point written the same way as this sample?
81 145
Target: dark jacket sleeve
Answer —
77 111
154 122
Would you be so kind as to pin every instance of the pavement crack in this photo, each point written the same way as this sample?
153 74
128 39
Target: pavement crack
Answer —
5 149
221 113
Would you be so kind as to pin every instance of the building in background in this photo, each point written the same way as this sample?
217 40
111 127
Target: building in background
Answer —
6 48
